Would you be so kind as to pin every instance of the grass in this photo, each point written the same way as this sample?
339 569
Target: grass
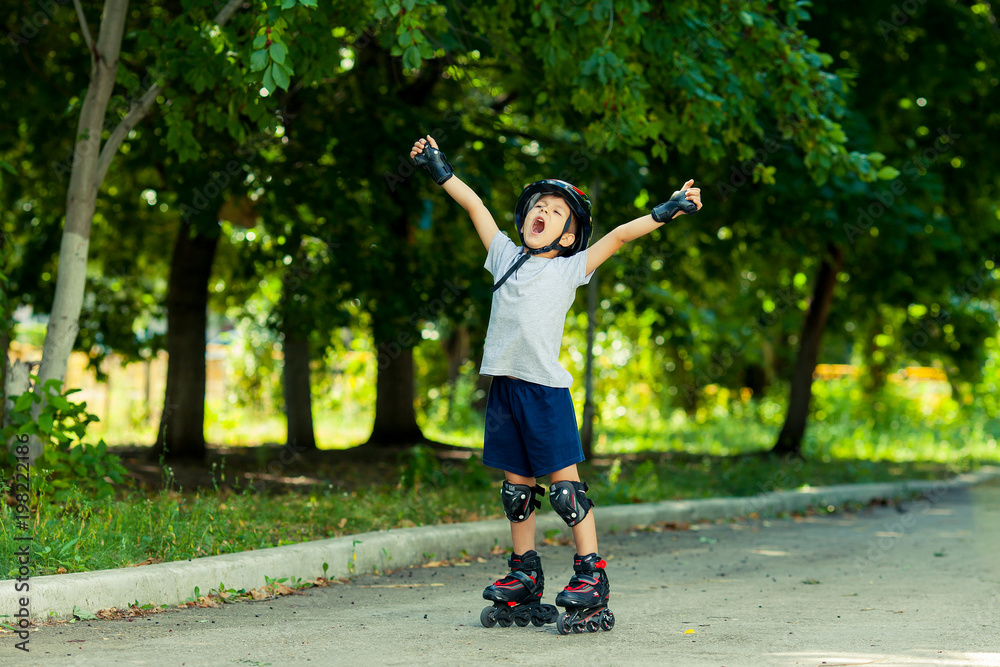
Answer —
254 498
142 527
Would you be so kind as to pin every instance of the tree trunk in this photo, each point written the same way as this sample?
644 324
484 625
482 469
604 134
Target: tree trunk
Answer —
587 428
456 349
298 393
90 165
182 424
755 379
81 198
790 438
16 383
395 417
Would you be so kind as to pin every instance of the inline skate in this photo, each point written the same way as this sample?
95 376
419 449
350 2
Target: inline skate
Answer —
586 598
517 597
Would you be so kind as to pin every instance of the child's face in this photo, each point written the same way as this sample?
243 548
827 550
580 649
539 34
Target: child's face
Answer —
543 224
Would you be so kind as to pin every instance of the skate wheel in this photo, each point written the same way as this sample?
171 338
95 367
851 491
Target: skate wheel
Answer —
488 617
561 624
544 614
607 620
592 626
577 628
505 622
521 621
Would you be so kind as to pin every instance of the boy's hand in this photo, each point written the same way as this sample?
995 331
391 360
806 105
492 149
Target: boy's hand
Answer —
685 200
425 154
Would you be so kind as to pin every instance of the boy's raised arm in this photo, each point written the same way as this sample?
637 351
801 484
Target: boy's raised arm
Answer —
685 200
425 153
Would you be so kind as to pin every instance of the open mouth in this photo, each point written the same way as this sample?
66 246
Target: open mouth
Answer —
537 226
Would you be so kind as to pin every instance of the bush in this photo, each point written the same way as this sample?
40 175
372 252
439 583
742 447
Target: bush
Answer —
68 469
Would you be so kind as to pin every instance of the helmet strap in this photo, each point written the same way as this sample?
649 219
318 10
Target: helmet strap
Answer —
532 251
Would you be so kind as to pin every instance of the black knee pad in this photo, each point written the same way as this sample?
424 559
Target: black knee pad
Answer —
570 501
520 500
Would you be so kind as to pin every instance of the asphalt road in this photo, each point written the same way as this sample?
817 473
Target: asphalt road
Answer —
917 584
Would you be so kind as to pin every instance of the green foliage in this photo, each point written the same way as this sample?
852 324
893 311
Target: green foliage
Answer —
421 467
60 422
69 470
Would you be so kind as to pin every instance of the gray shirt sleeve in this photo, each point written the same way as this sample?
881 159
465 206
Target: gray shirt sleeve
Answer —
501 255
575 270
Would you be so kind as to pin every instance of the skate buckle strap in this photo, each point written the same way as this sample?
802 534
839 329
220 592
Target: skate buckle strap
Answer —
601 564
525 579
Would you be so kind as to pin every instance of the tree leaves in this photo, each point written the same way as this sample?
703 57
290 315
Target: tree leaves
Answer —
411 57
280 76
268 80
278 52
259 60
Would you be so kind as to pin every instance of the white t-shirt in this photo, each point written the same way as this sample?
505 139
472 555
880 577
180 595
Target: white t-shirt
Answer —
529 312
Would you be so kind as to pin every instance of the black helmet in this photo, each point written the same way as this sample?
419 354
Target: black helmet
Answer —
578 202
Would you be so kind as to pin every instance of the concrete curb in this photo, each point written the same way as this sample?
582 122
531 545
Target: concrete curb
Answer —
56 596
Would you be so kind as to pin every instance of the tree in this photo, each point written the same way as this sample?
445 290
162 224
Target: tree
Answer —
93 153
900 240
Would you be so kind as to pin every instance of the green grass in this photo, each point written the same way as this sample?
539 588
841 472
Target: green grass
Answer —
169 525
648 458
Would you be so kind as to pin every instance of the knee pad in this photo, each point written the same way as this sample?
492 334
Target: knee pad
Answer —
519 500
570 501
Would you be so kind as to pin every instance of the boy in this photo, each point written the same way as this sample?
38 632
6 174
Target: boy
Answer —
530 420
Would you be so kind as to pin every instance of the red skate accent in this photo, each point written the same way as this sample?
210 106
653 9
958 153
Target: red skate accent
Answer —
601 564
513 584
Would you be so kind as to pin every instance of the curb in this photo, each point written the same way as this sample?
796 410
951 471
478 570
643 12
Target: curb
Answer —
56 596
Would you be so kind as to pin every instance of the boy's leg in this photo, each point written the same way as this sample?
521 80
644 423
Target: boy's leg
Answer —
585 532
586 596
522 533
517 597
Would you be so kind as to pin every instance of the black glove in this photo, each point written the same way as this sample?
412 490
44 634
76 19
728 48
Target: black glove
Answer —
678 202
434 161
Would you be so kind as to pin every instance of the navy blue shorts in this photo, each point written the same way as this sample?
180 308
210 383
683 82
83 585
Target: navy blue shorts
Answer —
530 428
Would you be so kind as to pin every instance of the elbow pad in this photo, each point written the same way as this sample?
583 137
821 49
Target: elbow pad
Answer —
678 202
434 161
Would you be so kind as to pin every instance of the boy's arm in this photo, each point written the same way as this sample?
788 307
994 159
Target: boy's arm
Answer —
460 192
622 234
470 201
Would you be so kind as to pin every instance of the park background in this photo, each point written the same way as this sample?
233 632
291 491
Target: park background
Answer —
276 323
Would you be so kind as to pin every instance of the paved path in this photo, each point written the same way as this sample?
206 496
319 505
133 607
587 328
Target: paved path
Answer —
914 585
